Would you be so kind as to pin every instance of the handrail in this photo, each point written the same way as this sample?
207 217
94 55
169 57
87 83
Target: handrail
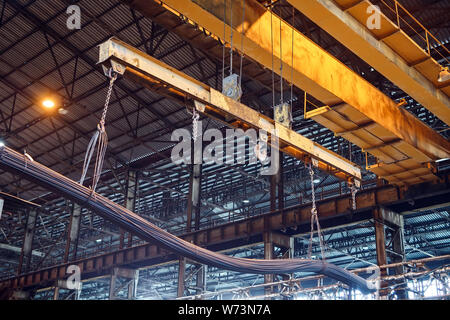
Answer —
428 34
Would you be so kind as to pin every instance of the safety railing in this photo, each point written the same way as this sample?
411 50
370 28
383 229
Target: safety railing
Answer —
423 37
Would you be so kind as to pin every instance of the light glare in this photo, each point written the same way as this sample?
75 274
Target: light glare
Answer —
48 103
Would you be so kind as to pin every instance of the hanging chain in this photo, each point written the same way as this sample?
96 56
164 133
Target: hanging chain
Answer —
100 138
242 44
231 38
281 65
112 78
354 190
292 67
315 217
195 117
223 46
271 43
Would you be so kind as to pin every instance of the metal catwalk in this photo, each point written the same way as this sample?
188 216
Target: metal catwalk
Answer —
17 163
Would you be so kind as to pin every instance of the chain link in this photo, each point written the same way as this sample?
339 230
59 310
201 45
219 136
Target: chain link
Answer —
195 117
99 139
354 190
113 78
315 217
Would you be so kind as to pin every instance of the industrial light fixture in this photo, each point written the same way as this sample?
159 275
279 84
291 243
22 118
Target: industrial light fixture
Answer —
444 75
63 111
2 144
98 240
48 103
246 201
316 180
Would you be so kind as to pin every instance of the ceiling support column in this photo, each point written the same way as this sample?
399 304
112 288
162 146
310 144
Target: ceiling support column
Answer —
130 203
396 247
201 279
70 252
131 277
268 254
380 242
27 247
181 272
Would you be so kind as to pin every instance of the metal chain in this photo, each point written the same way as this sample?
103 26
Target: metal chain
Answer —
281 65
195 117
223 46
231 38
354 190
100 138
242 44
112 78
315 217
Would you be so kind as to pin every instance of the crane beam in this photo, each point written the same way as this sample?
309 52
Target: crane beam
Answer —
158 76
349 100
386 48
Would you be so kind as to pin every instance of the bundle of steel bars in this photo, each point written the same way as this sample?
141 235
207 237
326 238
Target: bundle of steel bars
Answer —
17 163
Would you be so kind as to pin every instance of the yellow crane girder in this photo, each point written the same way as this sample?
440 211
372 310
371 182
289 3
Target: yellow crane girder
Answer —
405 147
158 76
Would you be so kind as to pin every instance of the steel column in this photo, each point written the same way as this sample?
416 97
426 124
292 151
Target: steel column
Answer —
396 253
200 280
70 253
130 203
131 277
268 254
27 248
380 242
56 293
181 272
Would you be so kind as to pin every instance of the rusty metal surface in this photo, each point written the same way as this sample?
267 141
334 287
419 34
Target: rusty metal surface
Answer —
319 74
156 75
388 49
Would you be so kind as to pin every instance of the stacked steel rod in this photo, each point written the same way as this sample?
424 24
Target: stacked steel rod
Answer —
15 162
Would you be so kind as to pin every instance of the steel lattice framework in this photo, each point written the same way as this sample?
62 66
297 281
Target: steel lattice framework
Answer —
39 55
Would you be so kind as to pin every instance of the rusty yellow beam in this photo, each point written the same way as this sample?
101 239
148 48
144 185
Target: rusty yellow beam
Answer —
349 96
388 49
158 76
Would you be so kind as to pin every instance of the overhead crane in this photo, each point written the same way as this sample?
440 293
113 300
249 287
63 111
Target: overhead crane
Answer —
159 77
405 147
407 63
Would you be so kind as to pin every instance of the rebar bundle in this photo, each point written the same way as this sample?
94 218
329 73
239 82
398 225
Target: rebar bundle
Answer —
17 163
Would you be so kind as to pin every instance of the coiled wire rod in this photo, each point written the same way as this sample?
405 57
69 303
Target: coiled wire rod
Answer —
15 162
